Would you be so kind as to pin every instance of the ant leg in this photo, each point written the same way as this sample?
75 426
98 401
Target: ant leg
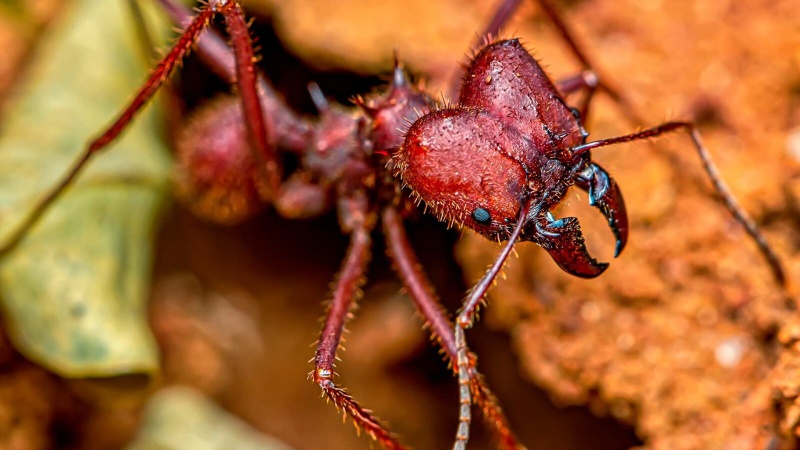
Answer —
592 80
504 11
471 303
719 185
158 76
291 129
245 71
471 382
356 221
586 80
243 50
566 34
465 319
211 47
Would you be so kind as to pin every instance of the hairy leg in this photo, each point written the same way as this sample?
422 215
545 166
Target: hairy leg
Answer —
347 288
441 329
243 50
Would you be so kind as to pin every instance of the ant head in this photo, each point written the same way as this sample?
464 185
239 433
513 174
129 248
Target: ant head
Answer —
450 161
502 158
506 141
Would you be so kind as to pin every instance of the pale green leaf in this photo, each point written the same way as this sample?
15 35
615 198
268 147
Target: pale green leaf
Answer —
73 292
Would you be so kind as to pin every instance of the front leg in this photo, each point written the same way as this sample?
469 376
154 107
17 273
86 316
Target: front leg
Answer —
441 328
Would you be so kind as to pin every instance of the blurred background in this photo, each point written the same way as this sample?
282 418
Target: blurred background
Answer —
685 342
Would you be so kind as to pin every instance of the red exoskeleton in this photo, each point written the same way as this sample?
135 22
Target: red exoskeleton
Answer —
497 161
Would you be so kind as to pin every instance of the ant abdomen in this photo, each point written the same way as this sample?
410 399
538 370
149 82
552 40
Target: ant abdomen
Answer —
216 175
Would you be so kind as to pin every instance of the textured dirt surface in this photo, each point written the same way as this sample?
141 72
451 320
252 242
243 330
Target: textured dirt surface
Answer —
679 336
686 337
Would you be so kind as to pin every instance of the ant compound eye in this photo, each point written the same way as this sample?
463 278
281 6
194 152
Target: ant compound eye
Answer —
482 216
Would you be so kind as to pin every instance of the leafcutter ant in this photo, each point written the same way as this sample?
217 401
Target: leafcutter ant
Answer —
497 160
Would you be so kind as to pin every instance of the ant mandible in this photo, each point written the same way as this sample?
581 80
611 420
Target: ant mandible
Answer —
498 162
